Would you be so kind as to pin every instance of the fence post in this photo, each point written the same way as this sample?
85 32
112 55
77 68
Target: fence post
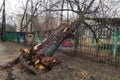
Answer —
115 40
76 40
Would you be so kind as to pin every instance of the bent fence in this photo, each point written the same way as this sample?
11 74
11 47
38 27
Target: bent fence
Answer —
107 50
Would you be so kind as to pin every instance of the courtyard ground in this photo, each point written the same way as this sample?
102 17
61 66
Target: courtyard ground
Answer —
71 67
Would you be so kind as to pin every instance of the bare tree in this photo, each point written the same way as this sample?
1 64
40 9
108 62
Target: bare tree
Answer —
3 22
79 7
32 13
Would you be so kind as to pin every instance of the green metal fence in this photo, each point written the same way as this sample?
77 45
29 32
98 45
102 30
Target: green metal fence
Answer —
20 37
11 36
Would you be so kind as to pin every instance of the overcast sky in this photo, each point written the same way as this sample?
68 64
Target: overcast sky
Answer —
14 6
11 8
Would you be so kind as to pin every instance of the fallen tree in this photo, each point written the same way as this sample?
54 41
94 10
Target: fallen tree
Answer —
39 57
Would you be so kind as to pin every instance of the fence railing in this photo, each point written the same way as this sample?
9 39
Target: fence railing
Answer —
102 52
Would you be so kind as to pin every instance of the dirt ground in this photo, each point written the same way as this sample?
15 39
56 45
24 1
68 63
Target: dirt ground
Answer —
71 67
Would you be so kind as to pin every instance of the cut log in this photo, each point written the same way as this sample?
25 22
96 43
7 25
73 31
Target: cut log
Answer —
22 60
